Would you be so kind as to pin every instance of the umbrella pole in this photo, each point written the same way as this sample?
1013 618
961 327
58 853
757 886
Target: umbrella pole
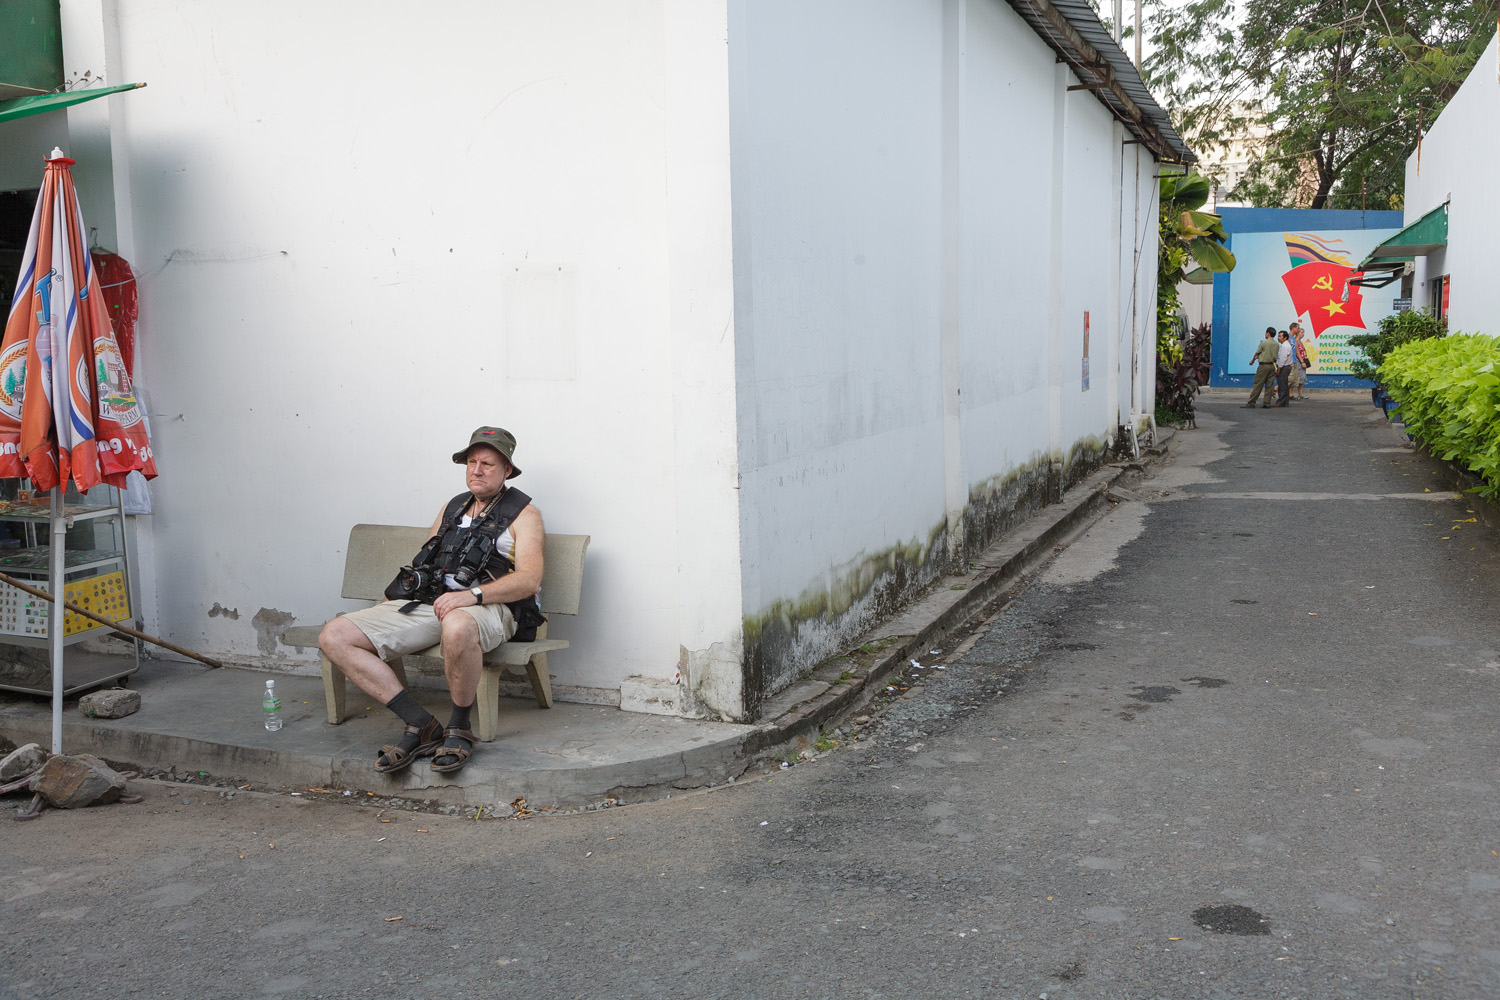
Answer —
56 614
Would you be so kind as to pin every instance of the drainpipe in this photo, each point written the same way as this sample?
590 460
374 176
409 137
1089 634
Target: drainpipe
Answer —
1135 309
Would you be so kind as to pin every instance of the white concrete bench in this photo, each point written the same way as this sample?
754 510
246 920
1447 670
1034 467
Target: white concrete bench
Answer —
376 551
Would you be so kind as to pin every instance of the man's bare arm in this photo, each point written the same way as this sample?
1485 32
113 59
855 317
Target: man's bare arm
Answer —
526 578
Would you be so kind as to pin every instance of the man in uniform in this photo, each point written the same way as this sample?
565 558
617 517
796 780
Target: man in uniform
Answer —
1265 361
468 596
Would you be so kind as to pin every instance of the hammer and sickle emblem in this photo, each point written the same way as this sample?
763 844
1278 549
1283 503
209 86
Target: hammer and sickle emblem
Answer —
1325 283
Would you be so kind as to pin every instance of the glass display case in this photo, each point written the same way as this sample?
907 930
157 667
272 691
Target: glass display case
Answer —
96 576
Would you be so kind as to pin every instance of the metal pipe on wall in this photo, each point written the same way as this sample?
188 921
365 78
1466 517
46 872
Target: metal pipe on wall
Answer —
1137 35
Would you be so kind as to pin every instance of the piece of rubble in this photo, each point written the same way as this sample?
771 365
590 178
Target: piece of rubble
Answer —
21 762
71 782
115 703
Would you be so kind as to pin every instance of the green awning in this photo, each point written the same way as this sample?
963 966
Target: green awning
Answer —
1199 276
1416 240
22 107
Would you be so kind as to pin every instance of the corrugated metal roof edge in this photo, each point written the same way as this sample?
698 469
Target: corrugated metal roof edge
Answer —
1073 30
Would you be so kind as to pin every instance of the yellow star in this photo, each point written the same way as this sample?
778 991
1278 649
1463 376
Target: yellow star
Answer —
1333 307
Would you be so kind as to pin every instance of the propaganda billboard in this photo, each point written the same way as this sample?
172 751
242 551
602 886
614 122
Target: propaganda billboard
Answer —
1303 276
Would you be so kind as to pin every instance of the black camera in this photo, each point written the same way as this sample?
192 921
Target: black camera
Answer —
418 583
472 555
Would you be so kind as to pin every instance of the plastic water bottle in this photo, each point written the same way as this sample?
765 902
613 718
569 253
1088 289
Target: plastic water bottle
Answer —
272 706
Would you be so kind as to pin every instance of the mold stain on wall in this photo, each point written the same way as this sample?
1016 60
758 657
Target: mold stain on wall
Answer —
789 638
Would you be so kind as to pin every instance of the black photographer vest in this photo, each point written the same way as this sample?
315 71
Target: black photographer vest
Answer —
499 517
527 612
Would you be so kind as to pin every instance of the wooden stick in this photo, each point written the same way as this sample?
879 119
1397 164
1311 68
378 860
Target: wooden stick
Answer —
21 585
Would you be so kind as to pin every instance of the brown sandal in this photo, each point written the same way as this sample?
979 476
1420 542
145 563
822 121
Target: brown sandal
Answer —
394 758
460 754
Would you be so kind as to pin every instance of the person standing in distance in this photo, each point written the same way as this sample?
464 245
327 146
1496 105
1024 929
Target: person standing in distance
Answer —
1300 362
1264 360
1284 357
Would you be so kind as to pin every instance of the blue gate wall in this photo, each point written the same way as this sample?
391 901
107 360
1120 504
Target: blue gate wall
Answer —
1265 220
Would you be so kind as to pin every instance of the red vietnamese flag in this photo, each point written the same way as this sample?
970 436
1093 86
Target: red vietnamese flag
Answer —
1322 291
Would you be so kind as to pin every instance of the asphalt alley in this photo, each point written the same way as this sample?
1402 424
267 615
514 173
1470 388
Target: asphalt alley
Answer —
1238 740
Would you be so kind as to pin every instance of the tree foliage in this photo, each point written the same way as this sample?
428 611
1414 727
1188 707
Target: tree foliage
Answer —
1186 235
1341 89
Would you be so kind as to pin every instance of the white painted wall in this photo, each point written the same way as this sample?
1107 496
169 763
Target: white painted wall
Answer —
837 179
758 313
368 228
1010 93
1197 302
25 144
923 213
1456 164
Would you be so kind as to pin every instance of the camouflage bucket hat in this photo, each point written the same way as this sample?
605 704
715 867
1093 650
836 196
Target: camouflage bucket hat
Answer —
498 438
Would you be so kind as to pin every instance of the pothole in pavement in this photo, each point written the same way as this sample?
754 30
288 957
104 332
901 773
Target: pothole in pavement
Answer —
1231 918
1206 682
1241 600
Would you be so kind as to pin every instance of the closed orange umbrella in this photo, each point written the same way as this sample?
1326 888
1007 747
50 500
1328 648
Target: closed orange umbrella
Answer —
67 409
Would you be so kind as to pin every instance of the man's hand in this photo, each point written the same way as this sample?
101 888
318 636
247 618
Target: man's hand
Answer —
452 599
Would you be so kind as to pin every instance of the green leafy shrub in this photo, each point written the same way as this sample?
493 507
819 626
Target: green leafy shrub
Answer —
1448 390
1179 380
1393 331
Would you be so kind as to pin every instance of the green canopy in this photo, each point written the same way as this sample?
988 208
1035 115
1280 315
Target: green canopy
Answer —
21 107
1416 240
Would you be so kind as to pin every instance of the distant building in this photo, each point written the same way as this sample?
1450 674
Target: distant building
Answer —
1227 165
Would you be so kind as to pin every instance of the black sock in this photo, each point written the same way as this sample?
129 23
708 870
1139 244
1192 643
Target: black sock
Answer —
460 717
411 713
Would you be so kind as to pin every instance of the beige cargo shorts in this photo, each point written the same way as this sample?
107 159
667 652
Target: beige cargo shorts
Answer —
394 634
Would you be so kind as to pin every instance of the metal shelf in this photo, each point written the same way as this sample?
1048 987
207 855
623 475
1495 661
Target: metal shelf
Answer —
31 510
34 560
82 672
31 563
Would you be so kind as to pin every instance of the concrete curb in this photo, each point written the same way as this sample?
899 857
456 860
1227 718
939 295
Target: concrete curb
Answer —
1005 562
1459 477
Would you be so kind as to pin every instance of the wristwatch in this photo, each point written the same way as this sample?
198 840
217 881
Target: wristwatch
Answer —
478 594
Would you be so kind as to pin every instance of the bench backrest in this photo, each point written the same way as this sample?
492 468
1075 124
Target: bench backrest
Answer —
376 551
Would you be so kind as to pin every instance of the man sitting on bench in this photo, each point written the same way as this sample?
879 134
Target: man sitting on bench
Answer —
473 586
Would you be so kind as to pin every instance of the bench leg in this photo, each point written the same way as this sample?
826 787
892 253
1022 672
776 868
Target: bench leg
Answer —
541 681
398 667
334 693
487 702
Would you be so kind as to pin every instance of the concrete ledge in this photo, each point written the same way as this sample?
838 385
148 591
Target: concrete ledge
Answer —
196 719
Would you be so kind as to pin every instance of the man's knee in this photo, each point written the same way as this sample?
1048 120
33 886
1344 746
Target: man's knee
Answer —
340 634
460 631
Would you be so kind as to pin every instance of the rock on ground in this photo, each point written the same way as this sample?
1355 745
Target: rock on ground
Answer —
116 703
22 761
71 782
